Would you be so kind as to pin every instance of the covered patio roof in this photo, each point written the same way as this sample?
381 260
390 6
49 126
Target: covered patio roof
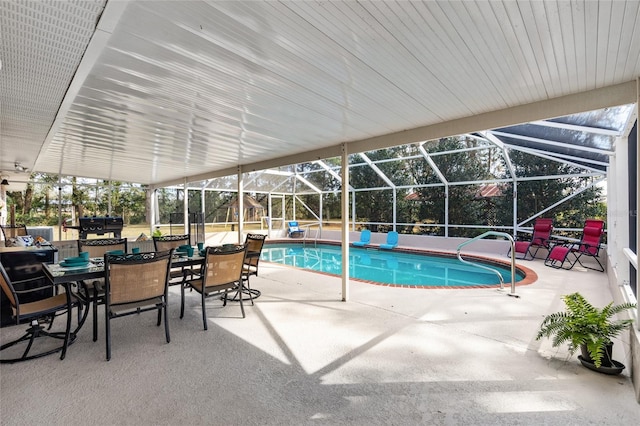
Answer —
165 93
161 92
584 140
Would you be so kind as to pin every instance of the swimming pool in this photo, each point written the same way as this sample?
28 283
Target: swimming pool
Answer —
386 267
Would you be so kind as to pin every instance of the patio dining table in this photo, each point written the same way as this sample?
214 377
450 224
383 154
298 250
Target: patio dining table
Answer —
58 274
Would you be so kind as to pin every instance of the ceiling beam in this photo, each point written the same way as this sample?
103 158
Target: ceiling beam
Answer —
575 147
619 94
564 126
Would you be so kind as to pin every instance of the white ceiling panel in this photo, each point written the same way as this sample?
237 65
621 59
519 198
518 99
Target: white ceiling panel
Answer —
156 91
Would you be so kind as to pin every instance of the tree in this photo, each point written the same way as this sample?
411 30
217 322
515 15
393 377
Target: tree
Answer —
48 182
131 203
376 205
79 197
464 206
537 195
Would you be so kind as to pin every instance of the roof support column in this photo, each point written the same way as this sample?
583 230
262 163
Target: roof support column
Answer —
269 214
515 207
618 201
202 199
636 207
293 202
320 214
446 209
185 203
395 208
59 207
240 204
353 210
110 192
345 223
204 215
153 209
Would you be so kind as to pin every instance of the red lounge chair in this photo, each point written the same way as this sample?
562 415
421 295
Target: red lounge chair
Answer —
589 246
541 237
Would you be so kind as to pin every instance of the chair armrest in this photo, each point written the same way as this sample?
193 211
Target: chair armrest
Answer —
33 289
28 280
567 244
588 246
191 272
18 283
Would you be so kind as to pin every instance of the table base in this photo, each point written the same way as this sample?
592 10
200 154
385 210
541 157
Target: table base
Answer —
247 294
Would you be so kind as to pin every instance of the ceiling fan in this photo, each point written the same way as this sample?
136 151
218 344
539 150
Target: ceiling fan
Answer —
19 168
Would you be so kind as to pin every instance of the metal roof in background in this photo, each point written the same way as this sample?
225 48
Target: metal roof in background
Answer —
587 139
584 140
154 92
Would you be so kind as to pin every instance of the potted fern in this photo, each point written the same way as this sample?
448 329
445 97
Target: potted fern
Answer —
584 326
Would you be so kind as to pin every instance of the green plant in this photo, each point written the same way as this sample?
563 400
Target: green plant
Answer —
584 324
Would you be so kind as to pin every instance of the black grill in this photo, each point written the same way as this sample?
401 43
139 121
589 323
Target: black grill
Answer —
113 224
100 226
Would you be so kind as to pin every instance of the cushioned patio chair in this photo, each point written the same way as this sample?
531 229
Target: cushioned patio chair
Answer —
136 283
294 230
254 243
221 273
9 232
91 292
392 241
168 242
589 246
37 312
540 238
365 238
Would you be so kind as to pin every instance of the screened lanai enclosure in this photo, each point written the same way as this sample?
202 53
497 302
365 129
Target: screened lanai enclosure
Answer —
500 179
437 119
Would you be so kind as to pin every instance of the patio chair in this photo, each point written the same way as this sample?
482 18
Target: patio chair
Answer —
37 312
9 232
92 292
392 241
540 238
365 238
168 242
222 272
254 243
136 283
589 246
294 230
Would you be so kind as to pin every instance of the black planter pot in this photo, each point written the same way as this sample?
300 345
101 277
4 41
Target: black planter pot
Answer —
608 365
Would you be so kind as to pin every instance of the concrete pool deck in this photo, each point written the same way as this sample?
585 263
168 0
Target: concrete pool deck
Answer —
302 356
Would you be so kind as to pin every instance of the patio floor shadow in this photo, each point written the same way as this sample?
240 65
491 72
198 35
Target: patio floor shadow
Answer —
387 356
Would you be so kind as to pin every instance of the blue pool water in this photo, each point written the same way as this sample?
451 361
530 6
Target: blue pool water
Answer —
386 267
